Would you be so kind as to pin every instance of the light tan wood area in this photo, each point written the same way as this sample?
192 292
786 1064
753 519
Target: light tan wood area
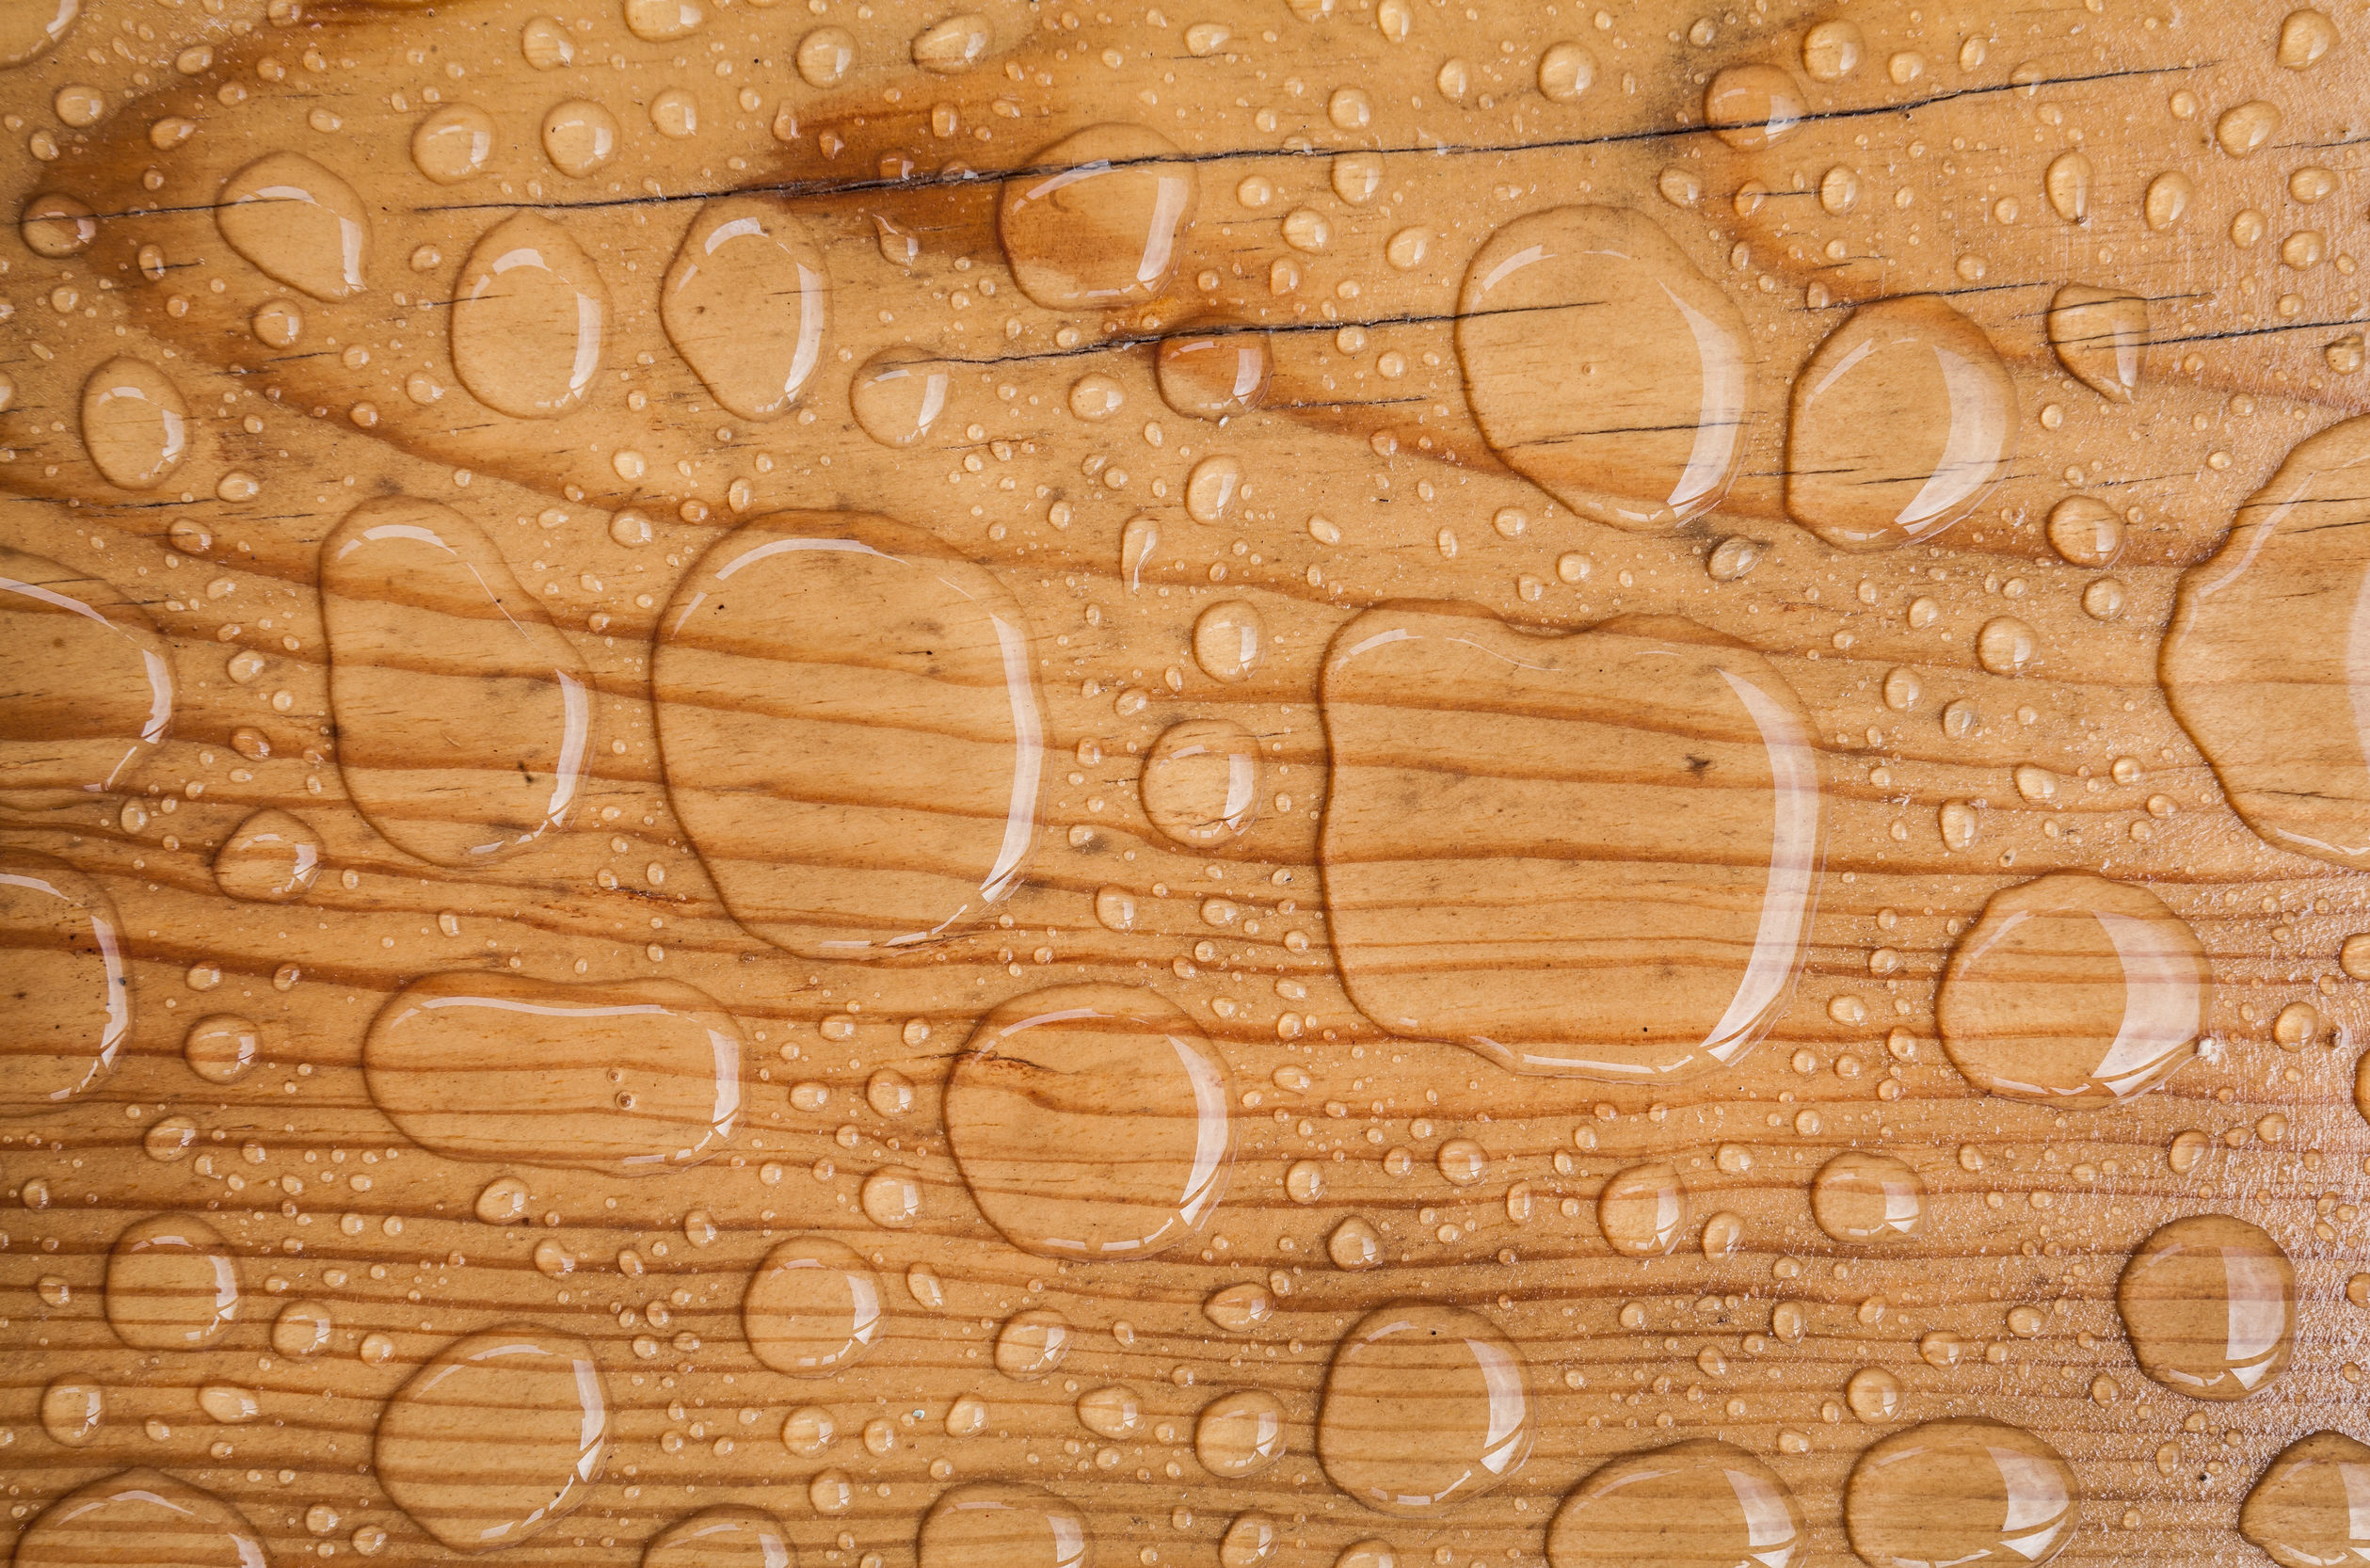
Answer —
1212 784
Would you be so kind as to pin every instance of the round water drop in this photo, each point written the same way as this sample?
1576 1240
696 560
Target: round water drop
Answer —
812 1309
1239 1308
745 304
74 721
530 319
277 323
221 1048
807 1431
2086 531
502 1201
297 223
2305 36
580 137
899 394
1113 1412
1213 373
135 424
271 857
1425 1405
1874 1395
1698 1504
2306 1510
1097 221
1603 367
1566 70
1115 909
1354 1245
1201 782
1463 1161
303 1328
171 1285
1240 1434
892 1198
1003 1525
1965 1489
1642 1209
169 1138
1091 1121
1228 640
68 985
1031 1344
2242 130
1833 50
825 56
140 1516
71 1411
57 226
499 1436
2074 990
1749 106
1861 1195
2210 1304
1902 421
1250 1541
452 144
732 1536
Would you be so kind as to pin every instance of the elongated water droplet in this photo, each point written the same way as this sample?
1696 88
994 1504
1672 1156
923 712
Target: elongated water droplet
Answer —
299 224
1099 220
2210 1304
746 303
1425 1405
530 319
2099 335
135 424
2305 36
1698 1504
2067 183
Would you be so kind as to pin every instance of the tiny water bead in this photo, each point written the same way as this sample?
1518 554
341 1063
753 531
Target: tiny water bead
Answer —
140 1516
2305 1511
1425 1405
1003 1525
2209 1302
1097 218
1861 1195
1201 781
299 224
1696 1504
812 1309
1092 1122
171 1283
2075 991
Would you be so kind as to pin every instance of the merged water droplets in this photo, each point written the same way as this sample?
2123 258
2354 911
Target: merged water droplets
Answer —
2074 990
812 1307
1494 796
1099 218
135 424
629 1077
499 1436
1697 1504
1003 1525
171 1285
746 303
530 319
1091 1121
140 1516
299 224
2306 1511
1602 366
2210 1304
101 696
1425 1406
1963 1489
69 983
430 634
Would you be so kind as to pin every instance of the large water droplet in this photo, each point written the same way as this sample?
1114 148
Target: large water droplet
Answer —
2074 990
745 304
140 1516
1425 1405
271 857
171 1285
135 424
2306 1511
1097 219
502 1434
1001 1524
530 319
1201 781
2305 36
1965 1489
72 1410
1240 1434
29 26
629 1076
1091 1121
1642 1209
464 719
2099 335
2265 656
1749 106
850 726
297 223
1862 1195
99 699
1213 373
2210 1304
1603 367
732 1536
1517 846
898 395
1699 1504
812 1307
1902 421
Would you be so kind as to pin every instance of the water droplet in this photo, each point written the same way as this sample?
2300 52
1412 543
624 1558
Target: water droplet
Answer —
1213 373
745 304
1642 1209
1031 1344
2210 1304
1566 70
140 1516
1003 1525
1697 1504
302 1328
57 226
1603 367
1229 639
883 833
892 1198
502 1201
2067 183
452 143
1874 1395
168 1139
69 988
2074 990
580 137
1425 1405
661 21
1239 1308
2305 36
503 1433
271 857
530 318
1749 106
2099 335
221 1048
1902 421
1113 1412
955 44
2168 199
1211 488
29 26
825 56
135 424
1424 712
1354 1245
1098 221
1831 51
732 1536
71 1411
1240 1434
1962 1490
812 1309
99 699
228 1404
1201 782
171 1285
2007 645
2248 126
504 696
299 224
1250 1541
2086 531
1861 1195
2305 1511
899 394
1091 1121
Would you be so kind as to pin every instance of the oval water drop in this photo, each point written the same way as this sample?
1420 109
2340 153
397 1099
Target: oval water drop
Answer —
2168 199
2305 36
499 1436
73 1411
221 1048
2086 531
1697 1504
848 713
1091 1121
1642 1210
2306 1511
1603 367
2209 1302
733 1535
627 1077
299 224
2099 335
1213 373
135 424
1833 50
1861 1195
1228 640
2067 183
530 319
1032 1344
1240 1434
452 144
1963 1489
812 1309
171 1285
745 304
1425 1406
69 983
140 1516
898 395
1003 1525
464 718
1748 106
98 699
271 857
1099 218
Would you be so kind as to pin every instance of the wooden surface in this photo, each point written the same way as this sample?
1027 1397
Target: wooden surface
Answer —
522 1034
